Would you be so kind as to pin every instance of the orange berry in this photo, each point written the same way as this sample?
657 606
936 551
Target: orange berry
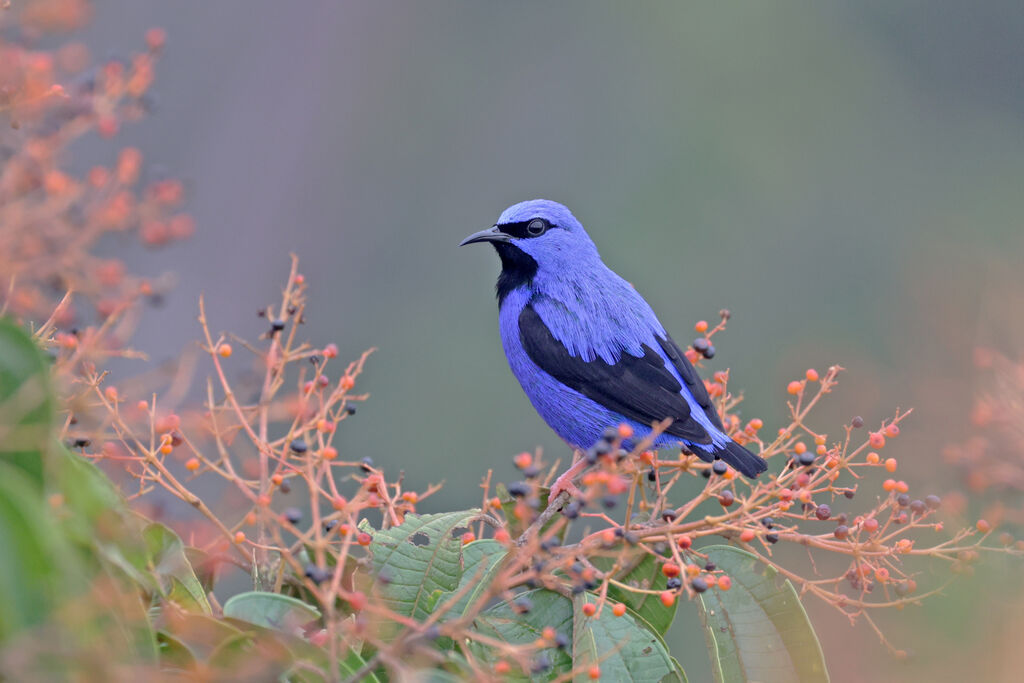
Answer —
821 450
142 406
873 458
983 526
882 574
747 535
619 609
819 439
684 541
224 350
902 486
358 601
468 537
589 609
811 375
339 503
724 583
250 518
756 423
794 387
331 351
608 536
692 570
701 326
523 460
347 383
502 536
890 464
800 447
594 672
166 447
495 502
411 497
192 464
364 539
239 537
625 431
670 569
870 525
502 667
329 453
111 393
344 529
889 485
668 598
155 38
876 440
892 431
277 479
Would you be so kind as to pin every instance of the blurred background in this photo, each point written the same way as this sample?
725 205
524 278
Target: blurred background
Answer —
848 179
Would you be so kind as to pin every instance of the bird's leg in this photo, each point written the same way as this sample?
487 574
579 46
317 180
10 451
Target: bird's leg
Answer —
565 480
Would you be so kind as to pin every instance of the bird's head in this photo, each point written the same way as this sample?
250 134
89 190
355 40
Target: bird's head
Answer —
537 237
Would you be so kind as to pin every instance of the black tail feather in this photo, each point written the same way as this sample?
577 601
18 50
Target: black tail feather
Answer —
748 464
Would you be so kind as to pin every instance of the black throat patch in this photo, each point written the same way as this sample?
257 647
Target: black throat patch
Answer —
517 269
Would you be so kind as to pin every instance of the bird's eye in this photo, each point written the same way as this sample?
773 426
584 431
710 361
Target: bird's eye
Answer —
537 227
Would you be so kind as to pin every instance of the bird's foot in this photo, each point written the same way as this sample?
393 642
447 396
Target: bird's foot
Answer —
565 484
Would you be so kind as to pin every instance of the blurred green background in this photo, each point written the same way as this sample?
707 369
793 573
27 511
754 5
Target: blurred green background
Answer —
845 177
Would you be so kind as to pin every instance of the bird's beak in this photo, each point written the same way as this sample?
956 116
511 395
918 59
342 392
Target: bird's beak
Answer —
493 234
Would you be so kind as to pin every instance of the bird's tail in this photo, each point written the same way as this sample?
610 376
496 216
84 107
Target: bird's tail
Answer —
748 464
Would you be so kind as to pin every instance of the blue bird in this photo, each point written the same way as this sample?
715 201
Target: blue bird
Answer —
587 349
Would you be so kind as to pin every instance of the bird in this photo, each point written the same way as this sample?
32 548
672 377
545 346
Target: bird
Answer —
588 350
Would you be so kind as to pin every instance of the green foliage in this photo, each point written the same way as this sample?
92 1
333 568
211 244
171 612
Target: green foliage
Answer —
27 405
421 557
271 610
640 571
758 630
68 536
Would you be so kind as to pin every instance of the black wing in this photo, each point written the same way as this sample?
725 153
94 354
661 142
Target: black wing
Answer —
693 381
639 388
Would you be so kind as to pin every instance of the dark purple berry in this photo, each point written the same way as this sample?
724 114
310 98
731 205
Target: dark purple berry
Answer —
293 515
823 512
841 532
858 422
719 467
918 507
933 501
772 538
518 489
317 574
903 500
699 585
675 583
299 446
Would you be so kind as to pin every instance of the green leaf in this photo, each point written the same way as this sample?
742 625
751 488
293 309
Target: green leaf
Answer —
481 560
625 648
505 623
167 561
758 630
271 610
418 557
27 406
38 568
642 570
